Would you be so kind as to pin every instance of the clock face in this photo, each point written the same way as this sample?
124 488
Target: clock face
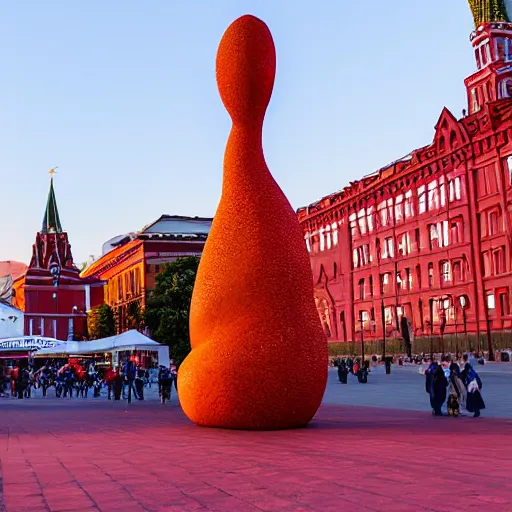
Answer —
55 270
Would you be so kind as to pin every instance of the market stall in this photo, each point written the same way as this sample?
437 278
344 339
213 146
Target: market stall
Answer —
118 346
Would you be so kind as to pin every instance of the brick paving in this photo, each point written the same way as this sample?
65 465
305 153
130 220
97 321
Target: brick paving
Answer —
85 455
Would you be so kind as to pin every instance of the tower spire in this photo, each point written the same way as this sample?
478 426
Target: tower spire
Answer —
51 220
487 11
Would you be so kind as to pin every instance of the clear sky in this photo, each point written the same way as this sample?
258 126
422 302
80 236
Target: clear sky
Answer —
121 95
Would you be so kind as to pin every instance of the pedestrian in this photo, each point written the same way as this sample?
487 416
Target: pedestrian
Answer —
439 384
456 391
474 401
342 372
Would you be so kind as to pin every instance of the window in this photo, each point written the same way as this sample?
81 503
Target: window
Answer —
353 224
382 213
364 320
458 268
491 222
498 260
308 244
404 244
509 168
433 236
334 228
439 235
322 239
487 263
422 199
369 218
328 237
455 189
390 210
409 205
389 248
446 272
399 208
475 106
363 255
433 196
504 302
361 289
456 233
491 302
442 186
355 258
417 239
430 275
384 283
418 275
408 278
494 222
371 286
361 219
388 315
487 180
399 282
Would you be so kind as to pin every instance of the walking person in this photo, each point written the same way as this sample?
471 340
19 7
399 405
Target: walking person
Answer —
439 384
456 391
474 401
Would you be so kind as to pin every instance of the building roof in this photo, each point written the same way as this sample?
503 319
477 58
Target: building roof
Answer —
12 268
51 219
178 225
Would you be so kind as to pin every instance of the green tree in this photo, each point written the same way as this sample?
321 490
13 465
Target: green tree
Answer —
168 306
101 322
134 316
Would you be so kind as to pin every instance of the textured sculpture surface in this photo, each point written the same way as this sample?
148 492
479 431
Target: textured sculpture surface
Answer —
259 354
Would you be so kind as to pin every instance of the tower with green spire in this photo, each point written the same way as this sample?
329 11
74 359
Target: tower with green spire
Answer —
51 219
487 11
492 44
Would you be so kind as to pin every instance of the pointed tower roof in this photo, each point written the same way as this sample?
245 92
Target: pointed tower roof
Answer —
486 11
51 220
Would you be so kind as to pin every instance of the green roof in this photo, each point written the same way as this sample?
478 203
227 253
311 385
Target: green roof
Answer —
51 220
485 11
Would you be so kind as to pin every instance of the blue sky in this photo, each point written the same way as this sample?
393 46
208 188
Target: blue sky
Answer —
121 95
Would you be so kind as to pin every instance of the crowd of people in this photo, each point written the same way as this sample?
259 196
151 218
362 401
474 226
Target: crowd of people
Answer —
76 379
458 389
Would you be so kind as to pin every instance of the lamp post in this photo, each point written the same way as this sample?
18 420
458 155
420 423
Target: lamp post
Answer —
362 338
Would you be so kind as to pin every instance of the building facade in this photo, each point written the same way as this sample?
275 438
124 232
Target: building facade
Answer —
429 236
54 298
130 263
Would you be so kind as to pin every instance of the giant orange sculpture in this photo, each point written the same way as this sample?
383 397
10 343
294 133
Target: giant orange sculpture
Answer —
259 354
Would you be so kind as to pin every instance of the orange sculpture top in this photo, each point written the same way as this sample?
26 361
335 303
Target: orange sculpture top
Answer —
259 353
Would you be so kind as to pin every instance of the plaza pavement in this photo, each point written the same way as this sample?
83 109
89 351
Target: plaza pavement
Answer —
96 455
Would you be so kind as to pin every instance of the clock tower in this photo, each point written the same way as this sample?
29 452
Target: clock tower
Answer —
52 294
492 44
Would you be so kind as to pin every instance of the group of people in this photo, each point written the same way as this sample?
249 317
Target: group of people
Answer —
348 366
76 379
459 389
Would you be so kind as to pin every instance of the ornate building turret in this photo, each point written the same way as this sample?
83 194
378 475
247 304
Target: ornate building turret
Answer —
492 43
52 294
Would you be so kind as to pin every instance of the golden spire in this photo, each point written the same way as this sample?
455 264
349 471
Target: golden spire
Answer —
51 172
485 11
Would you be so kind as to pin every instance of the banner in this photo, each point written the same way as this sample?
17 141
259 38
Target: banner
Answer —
27 343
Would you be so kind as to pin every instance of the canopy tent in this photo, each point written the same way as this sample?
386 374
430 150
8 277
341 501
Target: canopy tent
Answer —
127 341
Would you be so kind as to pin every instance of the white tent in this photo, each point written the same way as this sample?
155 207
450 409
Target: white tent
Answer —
129 340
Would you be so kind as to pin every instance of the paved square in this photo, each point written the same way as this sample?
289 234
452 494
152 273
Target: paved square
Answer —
95 455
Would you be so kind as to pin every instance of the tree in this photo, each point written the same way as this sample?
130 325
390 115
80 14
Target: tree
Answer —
168 306
134 316
101 322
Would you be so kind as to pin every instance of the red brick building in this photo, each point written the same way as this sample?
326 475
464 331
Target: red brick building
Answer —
53 296
129 264
428 238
